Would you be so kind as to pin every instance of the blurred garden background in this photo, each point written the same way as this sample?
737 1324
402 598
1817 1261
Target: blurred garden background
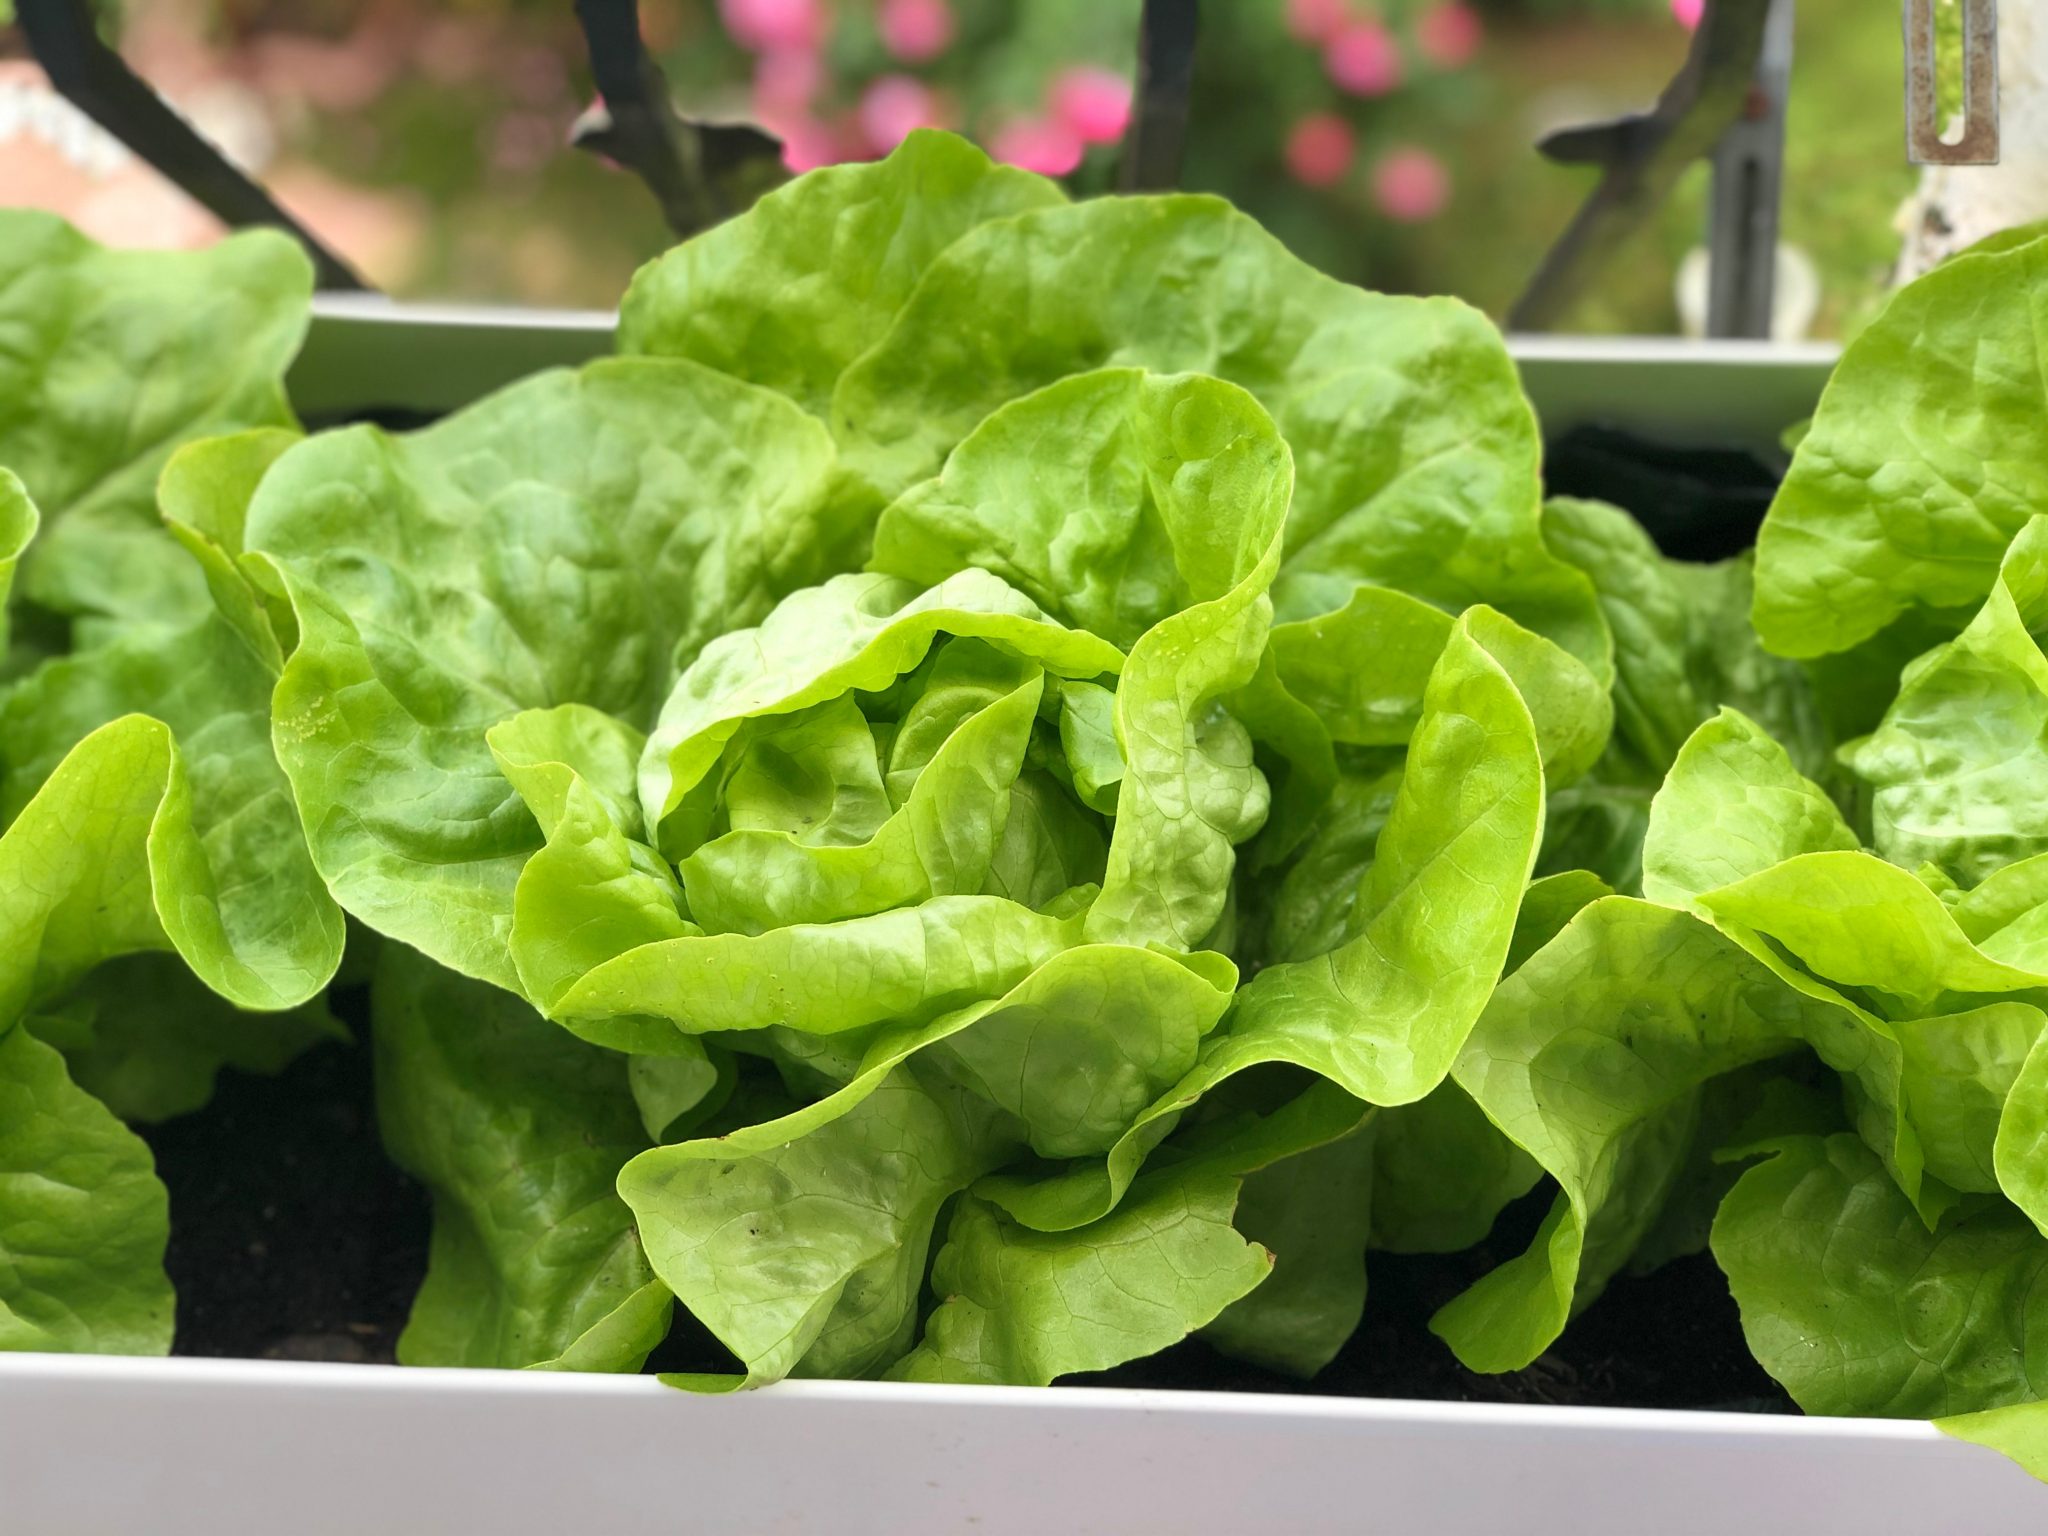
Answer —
1388 142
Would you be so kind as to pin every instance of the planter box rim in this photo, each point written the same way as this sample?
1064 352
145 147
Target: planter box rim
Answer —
329 1376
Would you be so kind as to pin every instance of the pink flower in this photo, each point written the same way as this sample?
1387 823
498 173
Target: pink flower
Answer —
1410 185
915 30
1094 104
891 107
784 84
1363 60
1039 144
1314 21
808 144
1319 149
1688 12
768 25
1450 34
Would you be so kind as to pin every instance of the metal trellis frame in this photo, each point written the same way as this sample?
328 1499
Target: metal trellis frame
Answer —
1742 213
1157 139
684 162
1727 102
62 36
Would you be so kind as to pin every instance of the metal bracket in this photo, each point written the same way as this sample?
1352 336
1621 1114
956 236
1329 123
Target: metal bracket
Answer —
1159 121
1978 142
62 36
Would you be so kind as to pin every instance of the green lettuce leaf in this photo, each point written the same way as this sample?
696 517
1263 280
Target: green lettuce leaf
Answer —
1923 462
1415 452
809 1256
789 294
852 634
19 521
519 1131
2019 1430
1023 1307
565 540
1384 1014
1682 647
1589 1058
1740 838
113 359
1960 759
147 1038
1442 1174
83 1217
1856 1307
231 877
1313 1213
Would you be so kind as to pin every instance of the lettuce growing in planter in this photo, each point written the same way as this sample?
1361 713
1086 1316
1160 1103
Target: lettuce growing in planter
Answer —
920 861
1021 780
154 883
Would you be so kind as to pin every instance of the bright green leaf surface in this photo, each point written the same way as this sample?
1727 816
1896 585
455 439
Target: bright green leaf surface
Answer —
561 541
83 1218
111 360
1924 459
519 1131
791 292
1024 1307
1857 1308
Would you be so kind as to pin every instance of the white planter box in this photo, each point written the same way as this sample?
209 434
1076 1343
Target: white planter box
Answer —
170 1447
95 1447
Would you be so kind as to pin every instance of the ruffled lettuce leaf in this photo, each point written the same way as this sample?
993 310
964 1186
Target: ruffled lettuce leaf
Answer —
83 1217
518 1130
1590 1058
111 360
567 540
809 1255
147 1038
1383 1015
1958 764
1857 1307
1682 648
1924 461
1739 837
1416 454
1028 1307
1313 1212
790 293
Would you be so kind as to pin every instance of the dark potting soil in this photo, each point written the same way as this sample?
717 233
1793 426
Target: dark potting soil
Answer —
1669 1339
294 1237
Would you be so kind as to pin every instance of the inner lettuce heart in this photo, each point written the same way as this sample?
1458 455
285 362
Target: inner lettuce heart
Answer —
929 289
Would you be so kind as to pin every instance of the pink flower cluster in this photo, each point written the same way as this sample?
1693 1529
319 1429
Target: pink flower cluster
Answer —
786 37
1362 58
1360 53
1083 106
1409 184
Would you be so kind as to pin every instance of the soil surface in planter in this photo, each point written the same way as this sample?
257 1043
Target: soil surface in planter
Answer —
294 1237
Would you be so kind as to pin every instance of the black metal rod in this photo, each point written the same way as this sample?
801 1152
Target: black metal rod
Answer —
93 77
1643 156
1748 187
1158 135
